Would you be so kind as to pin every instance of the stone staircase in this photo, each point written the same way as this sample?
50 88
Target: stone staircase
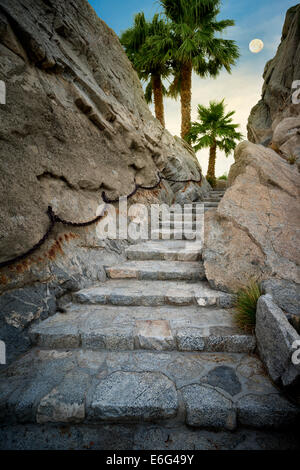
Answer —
153 344
213 199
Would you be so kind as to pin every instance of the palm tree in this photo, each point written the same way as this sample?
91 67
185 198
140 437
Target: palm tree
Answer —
192 45
216 131
151 67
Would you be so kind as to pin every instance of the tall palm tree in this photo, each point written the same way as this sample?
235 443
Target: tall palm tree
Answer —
151 67
216 131
193 46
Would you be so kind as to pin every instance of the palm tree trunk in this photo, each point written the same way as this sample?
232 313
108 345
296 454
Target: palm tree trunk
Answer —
212 163
186 98
158 98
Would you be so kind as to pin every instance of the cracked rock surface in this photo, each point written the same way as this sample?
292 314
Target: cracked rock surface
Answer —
76 115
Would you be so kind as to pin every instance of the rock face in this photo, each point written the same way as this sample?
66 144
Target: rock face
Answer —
255 231
75 124
90 388
76 115
277 342
276 106
286 139
208 407
135 397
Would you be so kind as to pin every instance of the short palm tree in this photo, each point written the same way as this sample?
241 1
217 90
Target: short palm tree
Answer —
151 67
192 45
214 129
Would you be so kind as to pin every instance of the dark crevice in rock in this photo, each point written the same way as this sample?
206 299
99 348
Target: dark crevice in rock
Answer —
88 186
49 175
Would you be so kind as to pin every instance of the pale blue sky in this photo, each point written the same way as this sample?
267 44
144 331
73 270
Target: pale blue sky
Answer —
241 89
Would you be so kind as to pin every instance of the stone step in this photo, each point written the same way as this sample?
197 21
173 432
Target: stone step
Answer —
188 214
186 209
204 390
211 204
158 270
171 250
193 204
212 199
153 293
175 234
152 328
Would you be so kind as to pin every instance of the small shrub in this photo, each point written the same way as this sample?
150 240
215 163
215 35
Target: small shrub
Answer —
292 159
223 177
211 181
245 306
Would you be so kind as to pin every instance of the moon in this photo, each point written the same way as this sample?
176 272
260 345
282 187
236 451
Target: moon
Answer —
256 45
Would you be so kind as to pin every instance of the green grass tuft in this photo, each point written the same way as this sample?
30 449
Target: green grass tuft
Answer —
245 306
223 177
